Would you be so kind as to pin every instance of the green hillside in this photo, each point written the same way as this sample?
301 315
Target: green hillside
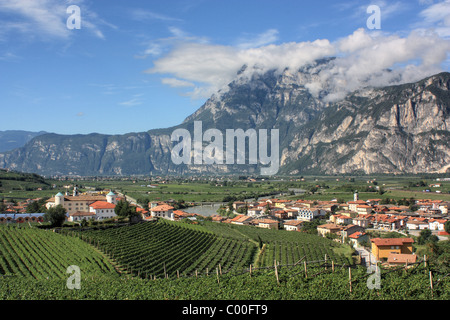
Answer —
12 182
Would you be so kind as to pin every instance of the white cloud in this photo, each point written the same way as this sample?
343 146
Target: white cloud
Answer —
437 16
177 83
134 101
46 19
363 58
215 66
157 47
385 60
145 15
262 39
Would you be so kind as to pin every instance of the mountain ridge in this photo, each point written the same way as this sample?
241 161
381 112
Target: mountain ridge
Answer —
409 122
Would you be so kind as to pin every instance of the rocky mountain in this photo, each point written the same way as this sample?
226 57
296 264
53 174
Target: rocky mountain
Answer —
12 139
394 129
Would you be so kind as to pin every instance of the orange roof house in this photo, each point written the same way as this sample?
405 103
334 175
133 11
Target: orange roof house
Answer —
401 258
382 247
102 205
163 211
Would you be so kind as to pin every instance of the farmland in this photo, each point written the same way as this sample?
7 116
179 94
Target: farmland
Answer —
20 186
157 249
140 262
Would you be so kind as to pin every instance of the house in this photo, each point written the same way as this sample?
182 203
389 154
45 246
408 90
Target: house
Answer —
281 203
444 207
328 228
293 225
363 209
241 219
291 213
348 230
416 225
268 223
348 213
395 259
382 247
352 205
362 222
280 214
308 214
358 238
102 210
163 211
340 219
254 211
437 224
179 214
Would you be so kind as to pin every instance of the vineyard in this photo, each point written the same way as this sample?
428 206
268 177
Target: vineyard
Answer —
293 285
286 247
174 260
40 254
159 249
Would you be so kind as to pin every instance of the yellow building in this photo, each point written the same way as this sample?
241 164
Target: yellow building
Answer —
381 248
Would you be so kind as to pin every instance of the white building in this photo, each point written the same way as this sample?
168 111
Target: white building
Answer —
78 202
292 225
162 211
103 210
417 225
308 214
437 224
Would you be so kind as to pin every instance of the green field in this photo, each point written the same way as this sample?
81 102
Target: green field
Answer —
19 186
131 261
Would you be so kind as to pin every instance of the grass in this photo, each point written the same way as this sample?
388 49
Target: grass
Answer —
329 187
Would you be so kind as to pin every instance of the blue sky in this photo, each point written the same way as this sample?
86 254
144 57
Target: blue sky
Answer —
139 65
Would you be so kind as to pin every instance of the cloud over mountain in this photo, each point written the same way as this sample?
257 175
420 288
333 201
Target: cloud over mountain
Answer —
363 58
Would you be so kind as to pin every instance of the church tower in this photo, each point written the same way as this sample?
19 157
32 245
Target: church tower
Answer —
59 199
111 197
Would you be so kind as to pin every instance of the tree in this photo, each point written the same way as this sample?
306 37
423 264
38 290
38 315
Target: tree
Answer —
36 206
447 226
55 216
123 209
426 236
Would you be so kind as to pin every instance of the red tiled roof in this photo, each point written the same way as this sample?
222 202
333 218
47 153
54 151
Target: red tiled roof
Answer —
163 207
391 241
102 205
401 258
356 235
293 222
268 221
